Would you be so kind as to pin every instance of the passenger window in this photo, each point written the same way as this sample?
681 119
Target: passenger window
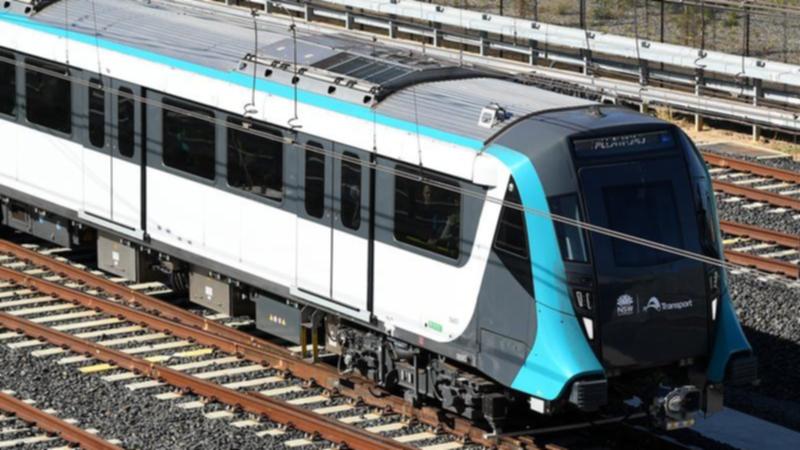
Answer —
511 240
126 112
427 216
315 180
189 141
255 163
8 87
48 95
351 191
97 113
570 237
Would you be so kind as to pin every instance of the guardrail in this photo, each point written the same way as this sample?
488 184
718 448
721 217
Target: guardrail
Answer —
745 90
586 40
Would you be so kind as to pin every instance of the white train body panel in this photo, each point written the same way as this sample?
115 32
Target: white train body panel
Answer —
267 242
126 193
43 166
349 270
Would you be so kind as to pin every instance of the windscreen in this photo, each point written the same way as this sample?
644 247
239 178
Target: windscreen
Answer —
646 211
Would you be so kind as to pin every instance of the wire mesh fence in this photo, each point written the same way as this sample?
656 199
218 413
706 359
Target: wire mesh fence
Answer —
768 29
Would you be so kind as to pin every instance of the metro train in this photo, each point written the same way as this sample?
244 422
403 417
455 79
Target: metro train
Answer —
402 210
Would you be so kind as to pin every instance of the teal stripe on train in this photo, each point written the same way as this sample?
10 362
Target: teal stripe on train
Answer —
560 352
729 338
321 101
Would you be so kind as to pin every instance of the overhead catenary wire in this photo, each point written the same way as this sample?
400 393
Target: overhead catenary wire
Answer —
414 176
96 40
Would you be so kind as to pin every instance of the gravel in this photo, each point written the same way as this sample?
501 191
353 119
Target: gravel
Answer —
769 310
783 222
136 418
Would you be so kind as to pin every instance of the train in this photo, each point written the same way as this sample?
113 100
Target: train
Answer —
439 228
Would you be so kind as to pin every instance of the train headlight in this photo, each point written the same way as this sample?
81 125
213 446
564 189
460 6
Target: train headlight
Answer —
713 281
714 303
584 299
588 324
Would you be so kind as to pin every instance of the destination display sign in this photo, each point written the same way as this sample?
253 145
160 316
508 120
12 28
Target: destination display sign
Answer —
626 143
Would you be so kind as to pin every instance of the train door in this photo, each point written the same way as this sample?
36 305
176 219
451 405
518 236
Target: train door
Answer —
126 168
350 258
315 218
97 151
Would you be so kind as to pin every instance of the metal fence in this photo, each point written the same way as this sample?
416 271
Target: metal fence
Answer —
764 29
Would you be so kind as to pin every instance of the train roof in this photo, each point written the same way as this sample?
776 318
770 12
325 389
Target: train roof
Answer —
404 85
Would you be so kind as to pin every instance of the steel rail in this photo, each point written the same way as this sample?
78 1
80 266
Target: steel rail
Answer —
747 166
758 195
766 264
304 420
54 425
761 234
139 299
164 317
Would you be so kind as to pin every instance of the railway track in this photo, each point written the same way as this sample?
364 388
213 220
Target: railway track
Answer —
761 184
144 351
761 248
24 425
118 333
50 287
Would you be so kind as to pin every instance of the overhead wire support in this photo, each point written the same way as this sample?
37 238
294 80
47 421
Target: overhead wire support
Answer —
250 109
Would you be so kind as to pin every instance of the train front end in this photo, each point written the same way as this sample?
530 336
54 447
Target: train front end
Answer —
657 316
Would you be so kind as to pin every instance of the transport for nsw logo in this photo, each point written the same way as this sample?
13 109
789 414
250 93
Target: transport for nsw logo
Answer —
654 304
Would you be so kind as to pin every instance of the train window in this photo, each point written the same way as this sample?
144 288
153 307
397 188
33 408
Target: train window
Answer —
511 233
511 241
97 113
427 216
189 141
49 95
8 88
647 211
351 191
255 163
570 237
315 180
126 112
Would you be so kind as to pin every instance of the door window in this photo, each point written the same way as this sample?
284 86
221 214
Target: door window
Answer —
125 122
351 191
315 180
97 114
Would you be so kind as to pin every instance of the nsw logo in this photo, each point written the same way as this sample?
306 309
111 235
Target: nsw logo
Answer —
625 305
